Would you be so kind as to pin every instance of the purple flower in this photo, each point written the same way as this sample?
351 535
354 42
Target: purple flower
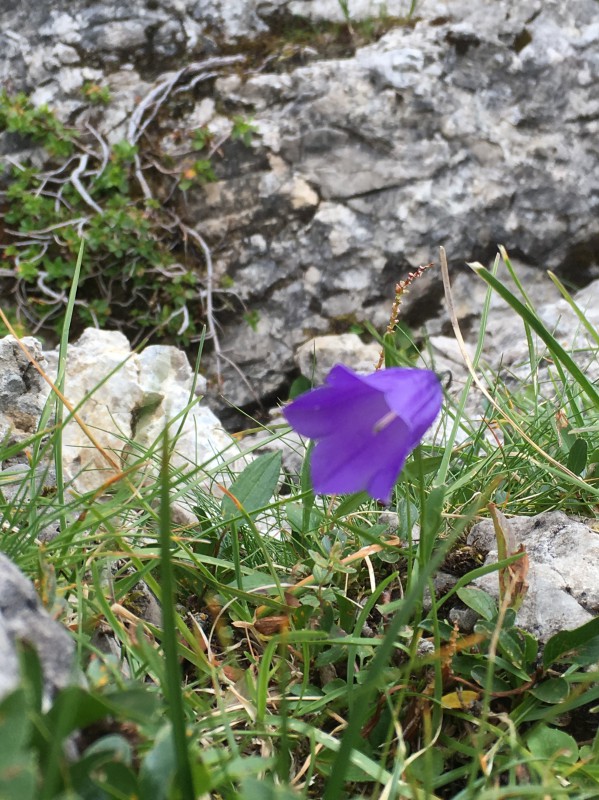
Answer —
365 426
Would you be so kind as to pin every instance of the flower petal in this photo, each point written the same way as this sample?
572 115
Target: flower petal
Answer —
368 462
415 395
337 405
365 426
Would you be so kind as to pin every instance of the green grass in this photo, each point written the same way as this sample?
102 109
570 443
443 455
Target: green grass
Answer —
297 656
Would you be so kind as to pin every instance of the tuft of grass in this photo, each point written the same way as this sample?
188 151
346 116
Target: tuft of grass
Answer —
302 651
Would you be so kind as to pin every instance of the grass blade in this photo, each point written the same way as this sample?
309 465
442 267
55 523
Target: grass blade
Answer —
535 323
172 689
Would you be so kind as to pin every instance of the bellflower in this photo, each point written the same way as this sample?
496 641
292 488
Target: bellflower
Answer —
365 426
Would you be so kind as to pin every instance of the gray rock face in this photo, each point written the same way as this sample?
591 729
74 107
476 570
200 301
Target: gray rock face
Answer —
438 133
563 578
22 618
473 125
23 391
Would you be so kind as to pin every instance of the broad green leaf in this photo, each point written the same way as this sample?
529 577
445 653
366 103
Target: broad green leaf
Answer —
531 647
265 789
350 504
159 767
583 641
299 386
14 727
553 690
511 646
74 708
32 675
117 779
577 457
551 744
478 601
296 518
479 673
18 781
255 486
136 704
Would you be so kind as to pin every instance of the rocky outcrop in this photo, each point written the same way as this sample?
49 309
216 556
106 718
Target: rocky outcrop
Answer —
23 619
23 391
125 399
562 586
471 125
505 346
440 133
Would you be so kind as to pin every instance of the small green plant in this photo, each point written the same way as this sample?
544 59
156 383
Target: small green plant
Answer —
252 318
96 94
201 172
201 138
38 123
243 130
142 267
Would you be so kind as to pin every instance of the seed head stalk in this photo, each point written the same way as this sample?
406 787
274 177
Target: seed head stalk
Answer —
401 288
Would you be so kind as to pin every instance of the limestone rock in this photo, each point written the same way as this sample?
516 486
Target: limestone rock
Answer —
475 124
102 382
166 382
563 578
127 397
23 391
437 133
316 357
22 618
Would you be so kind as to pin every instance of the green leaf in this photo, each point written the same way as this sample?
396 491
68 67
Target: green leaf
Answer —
295 517
158 770
431 521
254 487
577 457
299 386
531 647
18 780
583 641
265 789
479 674
553 690
136 704
551 744
511 646
350 504
479 601
74 708
390 350
14 729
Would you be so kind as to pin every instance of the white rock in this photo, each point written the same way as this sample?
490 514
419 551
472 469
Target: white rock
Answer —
128 397
165 379
563 577
316 357
102 382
